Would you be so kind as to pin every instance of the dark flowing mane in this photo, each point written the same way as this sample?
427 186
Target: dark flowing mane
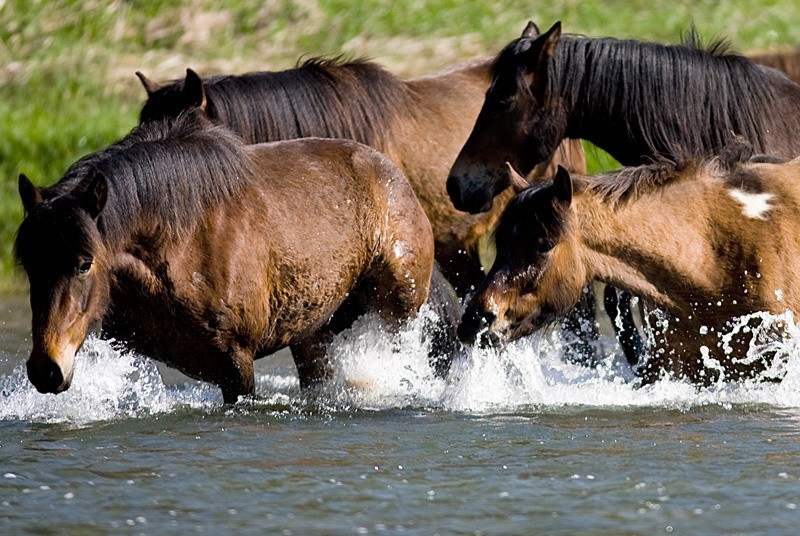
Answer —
169 171
665 94
326 98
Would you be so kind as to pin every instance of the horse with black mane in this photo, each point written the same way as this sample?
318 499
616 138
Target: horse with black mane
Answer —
636 100
419 123
205 253
709 241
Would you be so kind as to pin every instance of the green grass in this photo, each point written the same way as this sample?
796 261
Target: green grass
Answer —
66 67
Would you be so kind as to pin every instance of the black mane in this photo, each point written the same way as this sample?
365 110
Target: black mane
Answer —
169 171
676 101
326 98
667 95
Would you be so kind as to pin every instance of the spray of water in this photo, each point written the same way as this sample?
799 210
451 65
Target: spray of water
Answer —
376 369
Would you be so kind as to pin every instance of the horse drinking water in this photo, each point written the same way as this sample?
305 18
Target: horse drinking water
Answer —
709 242
205 253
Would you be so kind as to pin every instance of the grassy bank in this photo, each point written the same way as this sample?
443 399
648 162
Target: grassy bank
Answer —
66 67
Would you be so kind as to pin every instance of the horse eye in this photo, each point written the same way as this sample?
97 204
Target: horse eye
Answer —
544 246
502 105
84 266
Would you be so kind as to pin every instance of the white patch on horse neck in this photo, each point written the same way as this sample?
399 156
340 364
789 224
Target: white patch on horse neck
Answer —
754 206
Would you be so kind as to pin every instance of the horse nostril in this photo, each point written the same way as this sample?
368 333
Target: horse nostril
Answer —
46 376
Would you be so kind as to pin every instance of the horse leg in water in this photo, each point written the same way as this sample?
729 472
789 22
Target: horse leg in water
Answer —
580 322
236 376
311 353
619 311
442 338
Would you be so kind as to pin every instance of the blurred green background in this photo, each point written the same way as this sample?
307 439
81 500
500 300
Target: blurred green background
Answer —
67 84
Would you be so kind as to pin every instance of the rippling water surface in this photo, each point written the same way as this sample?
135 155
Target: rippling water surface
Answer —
521 443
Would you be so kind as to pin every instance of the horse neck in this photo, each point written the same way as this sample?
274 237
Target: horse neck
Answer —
427 137
641 247
449 102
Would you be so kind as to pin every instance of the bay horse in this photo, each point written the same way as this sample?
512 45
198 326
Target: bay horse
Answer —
420 124
205 253
708 241
636 100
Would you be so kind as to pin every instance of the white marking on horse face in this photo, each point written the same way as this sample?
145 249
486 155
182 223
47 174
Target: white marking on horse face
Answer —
754 206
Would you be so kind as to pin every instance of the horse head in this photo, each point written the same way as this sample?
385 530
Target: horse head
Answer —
168 101
536 276
60 248
518 123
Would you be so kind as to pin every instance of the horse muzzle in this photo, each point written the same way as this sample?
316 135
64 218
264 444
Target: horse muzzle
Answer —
46 375
475 328
467 199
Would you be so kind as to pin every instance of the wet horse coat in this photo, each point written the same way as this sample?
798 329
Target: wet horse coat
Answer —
708 242
205 253
419 123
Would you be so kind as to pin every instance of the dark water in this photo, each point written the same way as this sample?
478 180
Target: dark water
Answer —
517 444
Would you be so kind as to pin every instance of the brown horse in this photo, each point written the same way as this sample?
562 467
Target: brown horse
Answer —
708 242
636 100
205 253
419 123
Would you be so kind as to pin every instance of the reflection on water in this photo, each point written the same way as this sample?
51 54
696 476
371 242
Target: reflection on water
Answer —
372 371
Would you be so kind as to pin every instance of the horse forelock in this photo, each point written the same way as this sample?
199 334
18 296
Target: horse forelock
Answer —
327 98
534 204
168 171
663 92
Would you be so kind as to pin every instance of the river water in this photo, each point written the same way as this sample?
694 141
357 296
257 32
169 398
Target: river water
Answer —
521 443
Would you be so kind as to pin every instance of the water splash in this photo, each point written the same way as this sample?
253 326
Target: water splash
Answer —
377 370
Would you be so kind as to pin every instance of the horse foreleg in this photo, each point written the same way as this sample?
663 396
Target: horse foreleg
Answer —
621 315
581 323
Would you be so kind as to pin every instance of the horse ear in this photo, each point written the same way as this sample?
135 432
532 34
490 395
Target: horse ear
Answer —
562 187
543 47
30 194
517 181
531 31
94 197
150 86
194 90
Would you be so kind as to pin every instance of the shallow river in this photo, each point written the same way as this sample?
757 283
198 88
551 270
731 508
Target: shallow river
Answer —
524 443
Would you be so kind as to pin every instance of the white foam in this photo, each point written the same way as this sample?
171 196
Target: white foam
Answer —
377 371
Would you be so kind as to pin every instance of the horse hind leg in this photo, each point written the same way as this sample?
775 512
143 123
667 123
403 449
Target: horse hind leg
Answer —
236 377
440 331
311 353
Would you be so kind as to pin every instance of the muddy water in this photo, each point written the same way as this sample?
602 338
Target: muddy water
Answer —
523 443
